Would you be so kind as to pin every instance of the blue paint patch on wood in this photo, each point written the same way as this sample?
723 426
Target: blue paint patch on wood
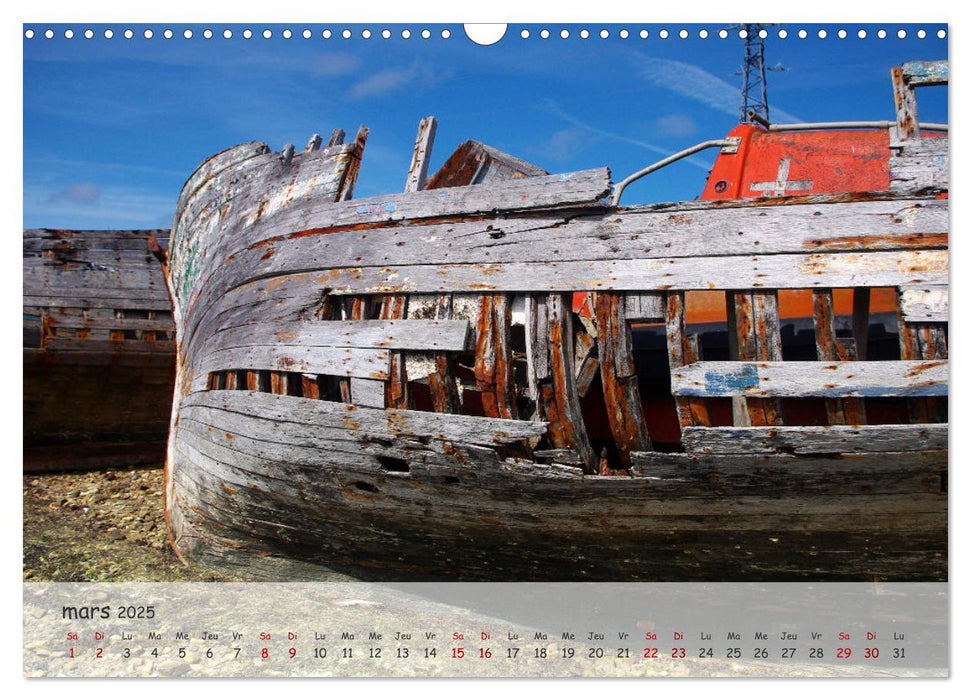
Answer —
730 383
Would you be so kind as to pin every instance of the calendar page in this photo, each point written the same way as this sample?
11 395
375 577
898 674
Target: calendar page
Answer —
510 351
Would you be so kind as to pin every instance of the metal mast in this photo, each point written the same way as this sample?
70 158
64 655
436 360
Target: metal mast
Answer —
754 98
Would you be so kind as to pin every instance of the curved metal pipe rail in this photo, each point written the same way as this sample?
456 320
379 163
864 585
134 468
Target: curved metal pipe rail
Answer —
704 145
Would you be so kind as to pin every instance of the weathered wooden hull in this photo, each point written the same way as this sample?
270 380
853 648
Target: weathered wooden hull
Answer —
99 350
289 479
398 387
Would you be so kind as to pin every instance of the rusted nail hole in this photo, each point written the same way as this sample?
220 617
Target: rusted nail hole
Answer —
365 486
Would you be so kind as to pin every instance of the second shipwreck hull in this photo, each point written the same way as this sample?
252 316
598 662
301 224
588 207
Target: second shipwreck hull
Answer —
400 385
99 350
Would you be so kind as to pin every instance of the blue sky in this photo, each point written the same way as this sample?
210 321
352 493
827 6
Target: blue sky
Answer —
112 128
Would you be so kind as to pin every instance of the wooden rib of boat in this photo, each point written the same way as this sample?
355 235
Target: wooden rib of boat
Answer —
99 350
406 385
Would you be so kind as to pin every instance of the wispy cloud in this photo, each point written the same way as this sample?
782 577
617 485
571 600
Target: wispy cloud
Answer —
695 83
562 145
394 78
84 194
675 125
555 108
334 65
87 206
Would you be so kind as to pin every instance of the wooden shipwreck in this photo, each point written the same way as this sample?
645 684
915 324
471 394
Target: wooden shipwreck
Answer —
99 350
504 381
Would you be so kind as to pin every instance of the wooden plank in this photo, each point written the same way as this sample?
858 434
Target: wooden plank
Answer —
638 232
921 165
369 423
336 138
38 298
922 341
877 269
231 158
396 390
368 392
922 223
585 361
567 429
918 73
619 378
253 191
70 242
442 382
356 312
691 410
424 140
584 187
773 475
493 357
58 320
838 411
817 439
310 389
646 307
391 334
754 321
346 191
906 104
342 362
558 456
475 163
314 143
827 379
112 347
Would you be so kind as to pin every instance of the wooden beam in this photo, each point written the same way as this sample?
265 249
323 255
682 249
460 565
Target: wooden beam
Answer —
906 102
353 166
619 377
827 379
754 321
493 357
817 439
921 165
387 333
374 423
567 429
336 138
691 410
923 341
876 269
917 73
424 140
866 474
847 411
396 390
365 363
636 233
442 382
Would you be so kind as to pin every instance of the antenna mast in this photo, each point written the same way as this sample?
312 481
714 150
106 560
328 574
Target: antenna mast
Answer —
754 97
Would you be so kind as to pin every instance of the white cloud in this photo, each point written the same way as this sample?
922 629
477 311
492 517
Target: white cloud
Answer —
558 111
675 125
391 79
80 193
81 206
334 65
562 145
697 84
